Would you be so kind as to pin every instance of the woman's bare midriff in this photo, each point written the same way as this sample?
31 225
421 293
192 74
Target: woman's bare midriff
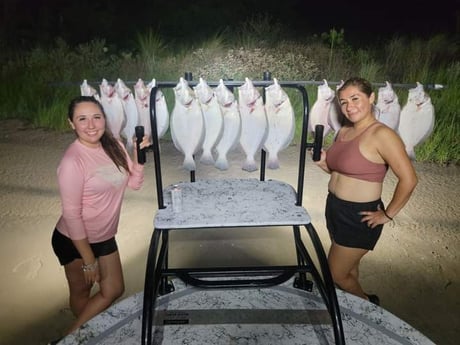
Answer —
351 189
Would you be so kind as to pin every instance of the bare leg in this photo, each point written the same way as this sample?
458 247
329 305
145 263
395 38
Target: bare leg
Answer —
344 264
111 287
355 272
79 290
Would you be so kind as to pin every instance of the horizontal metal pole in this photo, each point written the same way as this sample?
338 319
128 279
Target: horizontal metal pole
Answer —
429 86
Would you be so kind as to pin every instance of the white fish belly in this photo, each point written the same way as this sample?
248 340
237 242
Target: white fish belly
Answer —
335 117
230 135
132 120
162 114
115 113
319 116
253 133
415 126
213 122
144 117
187 131
389 115
281 128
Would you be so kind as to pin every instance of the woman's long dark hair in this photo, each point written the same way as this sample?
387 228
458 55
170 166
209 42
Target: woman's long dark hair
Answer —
111 146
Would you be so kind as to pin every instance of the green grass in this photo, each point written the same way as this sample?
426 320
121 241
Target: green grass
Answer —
37 84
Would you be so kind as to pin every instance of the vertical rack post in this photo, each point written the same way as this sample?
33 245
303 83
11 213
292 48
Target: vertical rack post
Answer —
189 77
266 77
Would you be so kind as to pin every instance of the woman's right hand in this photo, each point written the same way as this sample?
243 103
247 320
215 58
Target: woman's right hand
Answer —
322 162
90 265
91 273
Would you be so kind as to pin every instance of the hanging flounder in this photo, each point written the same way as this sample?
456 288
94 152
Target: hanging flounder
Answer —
88 90
232 125
388 108
213 120
253 123
319 114
142 97
162 112
130 108
281 122
187 124
416 122
113 108
335 116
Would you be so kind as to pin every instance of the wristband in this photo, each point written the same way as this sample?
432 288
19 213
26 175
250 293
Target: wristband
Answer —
386 215
89 267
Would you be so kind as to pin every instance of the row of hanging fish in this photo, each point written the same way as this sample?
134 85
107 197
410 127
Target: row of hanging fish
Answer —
214 122
414 122
204 119
125 110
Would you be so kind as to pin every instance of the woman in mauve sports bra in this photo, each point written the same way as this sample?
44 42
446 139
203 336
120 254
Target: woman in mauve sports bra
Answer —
357 162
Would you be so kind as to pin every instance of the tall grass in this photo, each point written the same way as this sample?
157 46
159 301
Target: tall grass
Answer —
443 146
37 85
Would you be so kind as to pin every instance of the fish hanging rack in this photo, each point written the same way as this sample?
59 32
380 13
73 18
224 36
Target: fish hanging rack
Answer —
230 82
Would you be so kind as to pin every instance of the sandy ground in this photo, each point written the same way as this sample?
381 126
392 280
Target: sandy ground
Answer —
415 267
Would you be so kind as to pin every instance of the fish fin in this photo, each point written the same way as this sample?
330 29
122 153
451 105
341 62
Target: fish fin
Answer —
411 153
250 165
207 158
221 163
273 162
189 163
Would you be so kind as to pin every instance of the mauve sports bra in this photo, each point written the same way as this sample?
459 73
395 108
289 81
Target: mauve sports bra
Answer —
346 158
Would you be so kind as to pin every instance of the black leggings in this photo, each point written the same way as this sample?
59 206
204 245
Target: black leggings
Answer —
344 222
66 252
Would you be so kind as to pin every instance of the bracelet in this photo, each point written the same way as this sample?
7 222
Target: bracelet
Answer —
386 215
89 267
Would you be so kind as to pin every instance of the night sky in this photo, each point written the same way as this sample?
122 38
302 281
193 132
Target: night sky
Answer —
25 22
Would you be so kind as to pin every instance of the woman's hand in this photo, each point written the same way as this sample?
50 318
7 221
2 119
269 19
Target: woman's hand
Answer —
90 266
374 218
322 161
146 142
91 273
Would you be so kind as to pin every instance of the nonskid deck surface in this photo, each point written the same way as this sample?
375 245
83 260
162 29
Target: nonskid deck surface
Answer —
277 315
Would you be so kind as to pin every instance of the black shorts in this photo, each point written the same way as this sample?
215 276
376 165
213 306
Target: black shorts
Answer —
344 222
66 252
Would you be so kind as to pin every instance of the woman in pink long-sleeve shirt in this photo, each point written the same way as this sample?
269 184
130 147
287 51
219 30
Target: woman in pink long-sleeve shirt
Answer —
93 175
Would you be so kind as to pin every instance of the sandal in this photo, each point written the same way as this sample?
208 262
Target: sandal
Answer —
373 299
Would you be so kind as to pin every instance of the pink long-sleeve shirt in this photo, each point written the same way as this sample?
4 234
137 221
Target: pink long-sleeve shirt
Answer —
92 189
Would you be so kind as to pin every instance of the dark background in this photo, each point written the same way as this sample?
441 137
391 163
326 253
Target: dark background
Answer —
27 22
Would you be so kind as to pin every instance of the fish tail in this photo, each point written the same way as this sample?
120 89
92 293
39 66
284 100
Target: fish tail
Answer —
411 153
221 162
189 163
273 162
249 165
207 158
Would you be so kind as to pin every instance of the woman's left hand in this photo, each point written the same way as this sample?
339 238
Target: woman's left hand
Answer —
374 218
144 143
